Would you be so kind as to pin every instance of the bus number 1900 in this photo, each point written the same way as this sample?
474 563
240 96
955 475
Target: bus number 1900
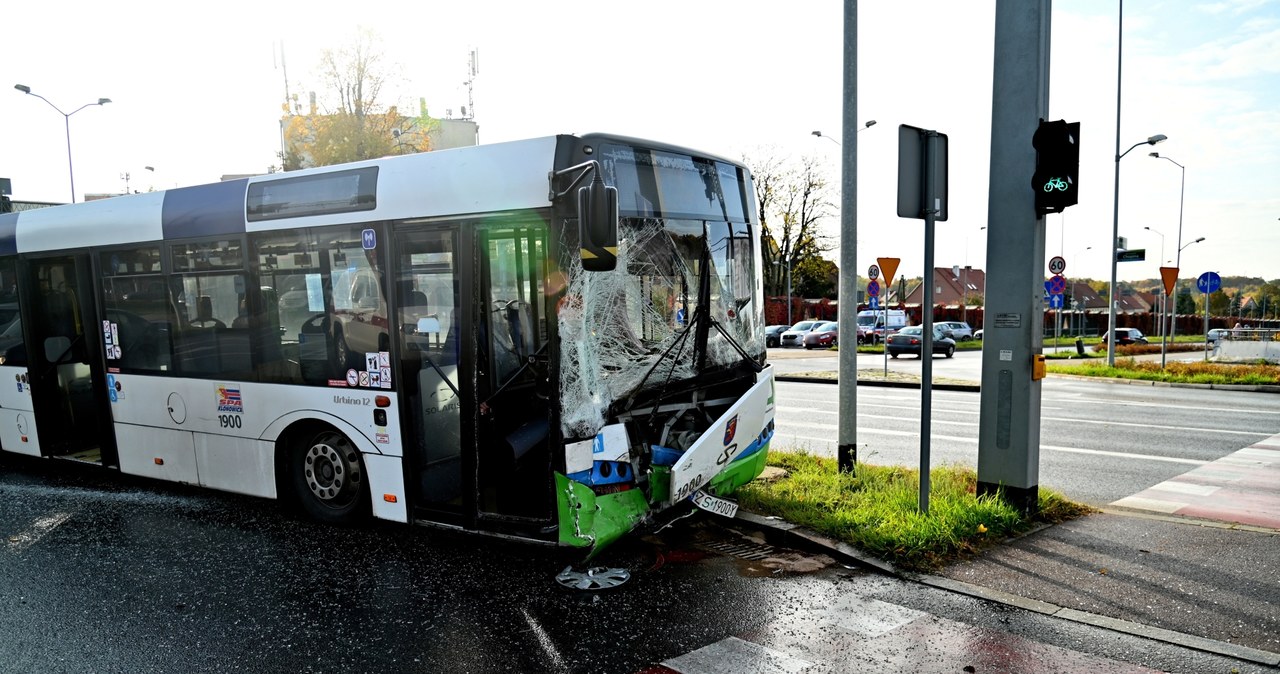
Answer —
229 420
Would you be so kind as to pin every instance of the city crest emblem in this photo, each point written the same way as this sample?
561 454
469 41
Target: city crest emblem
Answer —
730 430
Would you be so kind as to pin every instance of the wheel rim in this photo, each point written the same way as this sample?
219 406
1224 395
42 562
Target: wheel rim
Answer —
596 578
331 468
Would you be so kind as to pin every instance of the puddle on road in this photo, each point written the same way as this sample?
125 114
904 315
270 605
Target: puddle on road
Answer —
753 558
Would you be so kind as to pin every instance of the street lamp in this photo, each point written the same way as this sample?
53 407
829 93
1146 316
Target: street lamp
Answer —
1115 237
66 117
870 123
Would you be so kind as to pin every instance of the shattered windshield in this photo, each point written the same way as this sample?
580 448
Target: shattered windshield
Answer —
632 328
617 326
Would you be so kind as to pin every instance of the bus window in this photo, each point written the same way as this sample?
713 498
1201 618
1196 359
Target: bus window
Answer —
208 284
138 311
330 305
360 316
13 350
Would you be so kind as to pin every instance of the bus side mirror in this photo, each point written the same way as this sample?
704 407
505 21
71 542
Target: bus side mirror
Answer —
598 225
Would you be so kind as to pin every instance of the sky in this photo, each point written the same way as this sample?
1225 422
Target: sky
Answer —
196 96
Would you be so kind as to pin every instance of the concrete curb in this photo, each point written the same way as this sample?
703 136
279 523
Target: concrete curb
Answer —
783 533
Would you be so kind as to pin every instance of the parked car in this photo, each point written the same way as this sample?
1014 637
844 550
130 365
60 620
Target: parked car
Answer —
960 330
794 336
773 335
1216 334
1127 336
911 338
977 334
823 336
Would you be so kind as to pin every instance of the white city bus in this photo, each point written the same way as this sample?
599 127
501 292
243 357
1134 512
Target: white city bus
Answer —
552 339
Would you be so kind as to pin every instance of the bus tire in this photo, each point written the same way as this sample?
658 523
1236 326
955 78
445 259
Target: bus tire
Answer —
328 476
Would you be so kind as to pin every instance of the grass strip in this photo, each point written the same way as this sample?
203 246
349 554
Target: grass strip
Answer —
1178 372
876 509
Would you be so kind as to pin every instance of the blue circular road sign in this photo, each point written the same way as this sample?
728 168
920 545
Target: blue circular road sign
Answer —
1209 282
873 288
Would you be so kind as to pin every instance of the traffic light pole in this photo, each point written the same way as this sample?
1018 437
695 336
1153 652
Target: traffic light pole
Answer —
847 411
1009 418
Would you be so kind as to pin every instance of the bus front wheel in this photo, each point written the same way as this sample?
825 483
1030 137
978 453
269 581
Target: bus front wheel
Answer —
328 477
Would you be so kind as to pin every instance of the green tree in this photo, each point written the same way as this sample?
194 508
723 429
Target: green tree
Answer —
816 277
1268 298
1219 303
1186 302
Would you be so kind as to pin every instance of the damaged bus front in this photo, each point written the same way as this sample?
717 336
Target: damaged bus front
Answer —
664 390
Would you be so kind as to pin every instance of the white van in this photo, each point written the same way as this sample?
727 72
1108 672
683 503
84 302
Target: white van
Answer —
871 324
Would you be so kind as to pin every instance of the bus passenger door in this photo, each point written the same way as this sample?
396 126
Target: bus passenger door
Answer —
68 384
434 387
513 422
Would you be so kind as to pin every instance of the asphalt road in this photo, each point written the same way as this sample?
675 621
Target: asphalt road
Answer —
1099 441
105 573
100 574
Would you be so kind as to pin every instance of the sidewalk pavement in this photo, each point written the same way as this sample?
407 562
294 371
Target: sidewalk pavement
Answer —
1194 561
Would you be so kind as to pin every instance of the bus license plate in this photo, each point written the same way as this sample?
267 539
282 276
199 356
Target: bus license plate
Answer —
715 504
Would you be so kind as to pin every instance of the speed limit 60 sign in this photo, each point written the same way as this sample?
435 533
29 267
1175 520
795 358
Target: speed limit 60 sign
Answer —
873 272
1057 265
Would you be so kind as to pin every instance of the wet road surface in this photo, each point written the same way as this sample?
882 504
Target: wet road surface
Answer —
104 574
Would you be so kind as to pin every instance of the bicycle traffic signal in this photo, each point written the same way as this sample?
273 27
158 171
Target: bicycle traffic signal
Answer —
1055 181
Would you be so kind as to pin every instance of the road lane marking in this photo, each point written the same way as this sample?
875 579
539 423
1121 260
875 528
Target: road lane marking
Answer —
545 641
1140 503
1125 455
41 526
956 438
1186 488
1133 403
1197 429
1068 420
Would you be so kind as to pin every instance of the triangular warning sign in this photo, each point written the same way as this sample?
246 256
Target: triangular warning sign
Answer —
1170 277
888 265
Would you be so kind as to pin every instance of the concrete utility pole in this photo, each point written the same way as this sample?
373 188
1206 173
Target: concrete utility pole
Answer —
1009 422
847 452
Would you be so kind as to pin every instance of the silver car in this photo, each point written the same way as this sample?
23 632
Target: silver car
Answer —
795 336
960 331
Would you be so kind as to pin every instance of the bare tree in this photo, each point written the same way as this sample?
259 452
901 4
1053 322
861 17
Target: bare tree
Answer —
794 197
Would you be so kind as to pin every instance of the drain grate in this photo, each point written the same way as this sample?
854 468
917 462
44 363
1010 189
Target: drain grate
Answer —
754 552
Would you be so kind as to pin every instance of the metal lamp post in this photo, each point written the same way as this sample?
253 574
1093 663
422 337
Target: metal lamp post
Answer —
66 116
1115 236
1164 306
1173 323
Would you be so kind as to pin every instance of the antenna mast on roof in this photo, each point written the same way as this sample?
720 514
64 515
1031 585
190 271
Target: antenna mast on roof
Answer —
473 69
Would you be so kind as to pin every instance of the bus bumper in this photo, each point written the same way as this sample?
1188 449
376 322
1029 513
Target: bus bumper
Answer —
590 520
